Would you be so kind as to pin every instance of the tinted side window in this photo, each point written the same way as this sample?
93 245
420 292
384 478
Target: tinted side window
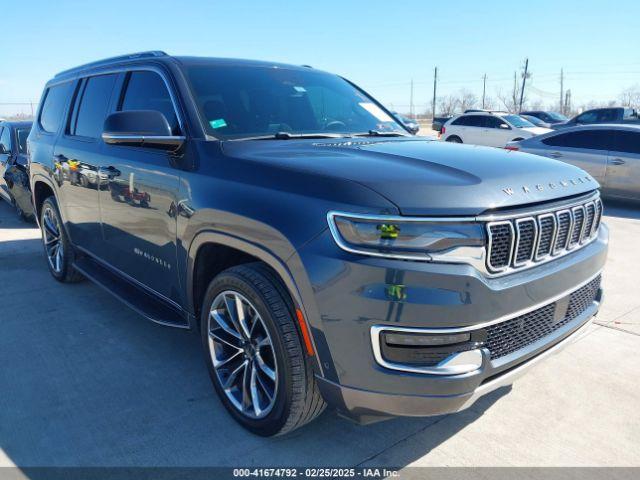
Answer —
54 102
492 122
587 117
93 103
626 142
590 139
476 121
462 121
147 91
5 139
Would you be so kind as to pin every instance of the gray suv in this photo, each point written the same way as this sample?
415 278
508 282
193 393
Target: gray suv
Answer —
322 253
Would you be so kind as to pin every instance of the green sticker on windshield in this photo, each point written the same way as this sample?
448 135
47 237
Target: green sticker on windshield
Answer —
219 123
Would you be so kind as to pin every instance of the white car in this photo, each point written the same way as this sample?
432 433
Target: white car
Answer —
493 129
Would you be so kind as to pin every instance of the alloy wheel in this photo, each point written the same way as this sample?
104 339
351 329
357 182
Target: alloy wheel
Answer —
51 238
243 355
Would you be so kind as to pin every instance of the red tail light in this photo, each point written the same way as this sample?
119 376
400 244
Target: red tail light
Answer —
512 147
442 131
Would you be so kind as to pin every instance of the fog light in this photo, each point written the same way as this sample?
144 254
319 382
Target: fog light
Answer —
421 340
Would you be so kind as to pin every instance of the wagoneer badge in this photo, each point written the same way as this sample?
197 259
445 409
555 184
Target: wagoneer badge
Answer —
551 185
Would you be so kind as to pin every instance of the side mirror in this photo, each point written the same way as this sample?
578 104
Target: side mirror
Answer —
148 128
505 126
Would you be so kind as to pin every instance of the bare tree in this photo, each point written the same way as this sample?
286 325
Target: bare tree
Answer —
447 105
630 97
467 100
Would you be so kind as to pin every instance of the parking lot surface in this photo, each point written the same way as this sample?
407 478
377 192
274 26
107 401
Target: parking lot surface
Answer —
86 381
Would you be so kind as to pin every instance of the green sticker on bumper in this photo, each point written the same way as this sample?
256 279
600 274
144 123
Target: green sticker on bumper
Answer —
219 123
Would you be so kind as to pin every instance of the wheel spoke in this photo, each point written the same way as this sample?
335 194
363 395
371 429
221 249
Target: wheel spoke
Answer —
233 315
255 396
265 388
220 320
223 336
231 379
266 369
240 310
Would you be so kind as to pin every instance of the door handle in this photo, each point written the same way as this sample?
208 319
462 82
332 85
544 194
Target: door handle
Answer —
617 161
555 154
109 172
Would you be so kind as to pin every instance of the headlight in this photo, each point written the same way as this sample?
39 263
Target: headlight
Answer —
403 238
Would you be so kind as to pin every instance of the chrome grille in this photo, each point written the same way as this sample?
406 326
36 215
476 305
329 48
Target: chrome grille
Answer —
523 241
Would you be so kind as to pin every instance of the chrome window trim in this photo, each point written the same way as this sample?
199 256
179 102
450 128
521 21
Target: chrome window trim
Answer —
533 247
376 330
554 231
490 267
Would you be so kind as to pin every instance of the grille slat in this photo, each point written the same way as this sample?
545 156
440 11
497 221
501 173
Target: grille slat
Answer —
523 241
578 223
526 239
507 337
502 237
546 229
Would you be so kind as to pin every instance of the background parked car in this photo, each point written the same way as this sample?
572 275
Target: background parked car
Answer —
536 121
494 129
603 115
609 153
438 123
552 118
411 124
14 177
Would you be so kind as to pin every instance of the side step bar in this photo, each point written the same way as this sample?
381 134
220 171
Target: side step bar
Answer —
144 303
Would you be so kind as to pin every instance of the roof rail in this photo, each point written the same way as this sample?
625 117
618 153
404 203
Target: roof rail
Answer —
106 61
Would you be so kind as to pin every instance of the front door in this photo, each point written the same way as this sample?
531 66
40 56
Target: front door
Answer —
139 195
623 165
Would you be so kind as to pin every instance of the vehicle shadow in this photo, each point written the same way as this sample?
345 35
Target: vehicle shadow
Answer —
622 209
9 218
87 382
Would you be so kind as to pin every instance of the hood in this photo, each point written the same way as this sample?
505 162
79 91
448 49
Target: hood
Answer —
536 130
424 177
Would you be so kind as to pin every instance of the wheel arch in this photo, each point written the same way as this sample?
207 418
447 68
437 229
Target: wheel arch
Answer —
41 189
248 252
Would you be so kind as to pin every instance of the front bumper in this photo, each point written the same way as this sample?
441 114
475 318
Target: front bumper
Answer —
348 295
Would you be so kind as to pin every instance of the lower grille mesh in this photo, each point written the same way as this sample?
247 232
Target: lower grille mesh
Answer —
512 335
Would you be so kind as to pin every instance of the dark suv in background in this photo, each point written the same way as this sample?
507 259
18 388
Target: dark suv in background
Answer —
323 253
14 177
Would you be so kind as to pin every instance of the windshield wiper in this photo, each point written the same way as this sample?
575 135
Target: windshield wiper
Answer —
380 133
291 136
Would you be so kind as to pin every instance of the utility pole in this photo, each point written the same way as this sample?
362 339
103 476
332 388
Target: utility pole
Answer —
524 80
484 88
435 82
411 101
561 91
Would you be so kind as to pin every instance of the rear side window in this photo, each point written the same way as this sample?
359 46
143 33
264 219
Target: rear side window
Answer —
55 101
589 139
146 90
461 121
93 101
626 142
23 133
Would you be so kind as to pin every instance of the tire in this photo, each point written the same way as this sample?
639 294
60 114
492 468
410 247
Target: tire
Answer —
58 251
454 139
295 398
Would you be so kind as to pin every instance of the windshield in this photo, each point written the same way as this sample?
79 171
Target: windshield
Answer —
557 116
517 121
242 102
23 133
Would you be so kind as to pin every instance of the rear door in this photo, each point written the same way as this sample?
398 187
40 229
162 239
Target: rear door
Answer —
473 130
623 166
587 149
140 193
78 153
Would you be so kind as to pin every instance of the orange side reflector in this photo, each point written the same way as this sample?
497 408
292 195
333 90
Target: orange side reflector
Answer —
305 332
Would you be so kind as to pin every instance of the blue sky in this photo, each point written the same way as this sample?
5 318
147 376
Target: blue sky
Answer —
381 45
